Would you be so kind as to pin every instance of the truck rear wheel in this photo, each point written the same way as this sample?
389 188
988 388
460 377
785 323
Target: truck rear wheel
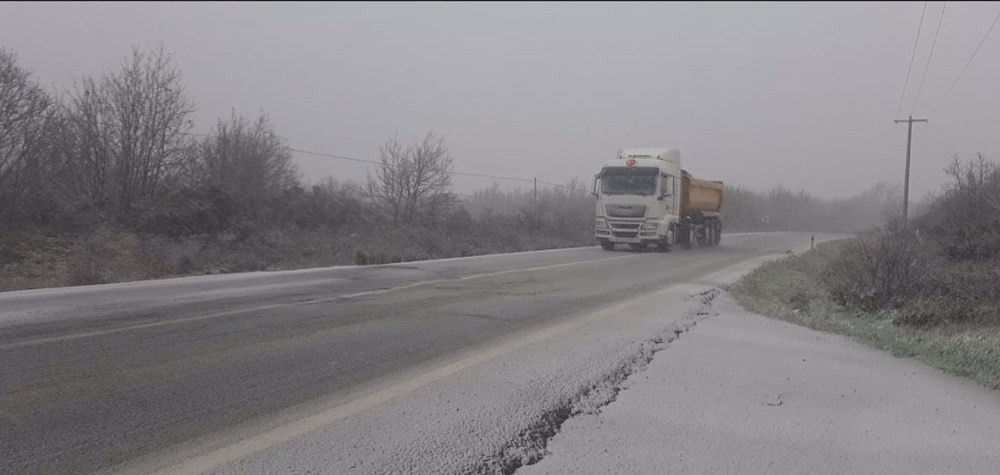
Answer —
711 233
704 235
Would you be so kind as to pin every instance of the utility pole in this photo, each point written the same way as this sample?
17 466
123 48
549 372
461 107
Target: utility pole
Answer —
906 180
534 196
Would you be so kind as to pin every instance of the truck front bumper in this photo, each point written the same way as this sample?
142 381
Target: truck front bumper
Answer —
630 232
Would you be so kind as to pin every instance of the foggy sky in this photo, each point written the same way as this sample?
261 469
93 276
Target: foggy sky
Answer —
802 94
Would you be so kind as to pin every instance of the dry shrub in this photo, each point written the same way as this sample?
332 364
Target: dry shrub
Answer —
956 293
914 278
879 270
106 255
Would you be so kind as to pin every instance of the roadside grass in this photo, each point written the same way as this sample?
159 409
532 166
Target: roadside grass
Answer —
793 289
31 259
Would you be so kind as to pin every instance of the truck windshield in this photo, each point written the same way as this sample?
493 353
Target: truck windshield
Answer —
629 181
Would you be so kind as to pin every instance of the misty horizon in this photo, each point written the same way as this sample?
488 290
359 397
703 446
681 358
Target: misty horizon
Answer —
756 95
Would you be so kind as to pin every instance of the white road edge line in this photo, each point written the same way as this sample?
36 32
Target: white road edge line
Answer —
76 336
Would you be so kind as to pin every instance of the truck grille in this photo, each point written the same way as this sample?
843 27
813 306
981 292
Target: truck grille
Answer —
625 234
625 211
624 226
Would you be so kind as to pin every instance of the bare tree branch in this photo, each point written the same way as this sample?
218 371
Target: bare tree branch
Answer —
25 111
131 126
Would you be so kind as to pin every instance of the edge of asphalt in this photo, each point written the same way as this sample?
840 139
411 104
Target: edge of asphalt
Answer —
241 276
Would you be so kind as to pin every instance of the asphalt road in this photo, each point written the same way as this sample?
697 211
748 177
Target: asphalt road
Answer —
93 377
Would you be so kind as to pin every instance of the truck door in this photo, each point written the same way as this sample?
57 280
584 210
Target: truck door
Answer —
670 194
668 185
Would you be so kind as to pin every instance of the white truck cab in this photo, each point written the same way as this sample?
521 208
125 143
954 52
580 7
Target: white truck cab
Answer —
644 199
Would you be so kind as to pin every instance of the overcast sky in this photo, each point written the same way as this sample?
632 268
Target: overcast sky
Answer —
801 94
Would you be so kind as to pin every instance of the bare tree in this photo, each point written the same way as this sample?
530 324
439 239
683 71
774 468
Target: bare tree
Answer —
429 191
412 181
250 159
131 127
387 189
25 113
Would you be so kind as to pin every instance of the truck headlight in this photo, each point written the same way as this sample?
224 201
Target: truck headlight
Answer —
601 223
650 226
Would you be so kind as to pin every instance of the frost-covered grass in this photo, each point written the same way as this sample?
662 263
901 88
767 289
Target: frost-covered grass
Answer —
110 255
792 289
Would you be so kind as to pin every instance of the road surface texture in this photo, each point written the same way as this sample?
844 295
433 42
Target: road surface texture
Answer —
454 366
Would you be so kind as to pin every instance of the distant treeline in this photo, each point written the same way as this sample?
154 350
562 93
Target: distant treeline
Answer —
115 160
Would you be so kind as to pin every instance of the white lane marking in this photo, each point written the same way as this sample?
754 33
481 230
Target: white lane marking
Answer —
39 341
216 458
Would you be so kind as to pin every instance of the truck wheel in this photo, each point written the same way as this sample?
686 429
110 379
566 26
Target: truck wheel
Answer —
666 243
607 245
718 232
663 246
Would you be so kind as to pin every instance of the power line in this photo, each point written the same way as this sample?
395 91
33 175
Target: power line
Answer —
929 58
550 184
529 180
987 35
333 155
906 83
373 162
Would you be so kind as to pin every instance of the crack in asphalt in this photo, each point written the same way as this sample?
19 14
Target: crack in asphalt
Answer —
529 447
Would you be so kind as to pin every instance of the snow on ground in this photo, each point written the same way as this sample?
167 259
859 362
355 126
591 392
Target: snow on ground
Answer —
488 411
745 394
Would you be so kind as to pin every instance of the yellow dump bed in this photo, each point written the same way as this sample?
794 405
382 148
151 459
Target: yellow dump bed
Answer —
700 197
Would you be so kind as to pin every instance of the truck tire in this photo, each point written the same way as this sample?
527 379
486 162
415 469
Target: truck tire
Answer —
705 237
713 233
666 243
607 245
663 246
718 232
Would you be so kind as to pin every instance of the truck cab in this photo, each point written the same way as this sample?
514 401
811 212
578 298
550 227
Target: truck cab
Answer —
645 199
637 198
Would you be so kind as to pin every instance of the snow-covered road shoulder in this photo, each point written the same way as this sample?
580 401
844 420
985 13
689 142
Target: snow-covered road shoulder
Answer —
742 393
491 410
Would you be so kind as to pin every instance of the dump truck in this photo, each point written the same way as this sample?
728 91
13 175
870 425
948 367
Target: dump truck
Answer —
645 199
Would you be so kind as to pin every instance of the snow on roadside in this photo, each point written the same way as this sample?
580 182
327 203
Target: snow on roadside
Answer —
498 415
746 394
